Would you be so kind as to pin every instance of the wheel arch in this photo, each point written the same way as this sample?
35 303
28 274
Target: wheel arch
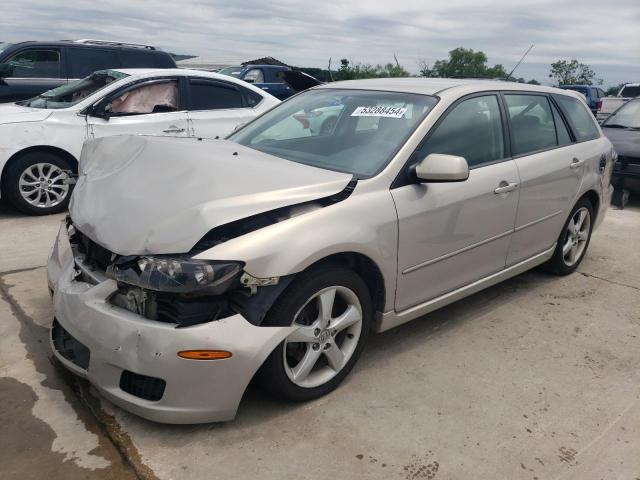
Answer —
38 148
594 199
366 268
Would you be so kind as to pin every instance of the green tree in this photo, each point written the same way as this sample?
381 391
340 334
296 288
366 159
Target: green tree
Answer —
572 72
355 71
613 91
464 62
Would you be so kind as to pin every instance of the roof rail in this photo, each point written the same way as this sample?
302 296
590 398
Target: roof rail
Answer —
92 41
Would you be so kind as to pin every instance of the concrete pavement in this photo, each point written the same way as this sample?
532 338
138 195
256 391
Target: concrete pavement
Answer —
535 378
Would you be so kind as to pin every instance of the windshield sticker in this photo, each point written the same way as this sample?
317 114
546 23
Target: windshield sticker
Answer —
380 111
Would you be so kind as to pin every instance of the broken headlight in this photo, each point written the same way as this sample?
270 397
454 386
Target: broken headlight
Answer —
176 274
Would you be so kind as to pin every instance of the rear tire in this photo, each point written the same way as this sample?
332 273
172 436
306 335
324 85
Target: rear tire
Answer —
314 360
34 183
573 240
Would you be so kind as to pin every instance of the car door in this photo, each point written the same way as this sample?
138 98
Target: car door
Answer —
543 151
35 70
154 106
217 107
452 234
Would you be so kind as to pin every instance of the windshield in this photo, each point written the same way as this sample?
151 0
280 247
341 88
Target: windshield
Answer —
69 94
4 46
233 71
352 131
627 116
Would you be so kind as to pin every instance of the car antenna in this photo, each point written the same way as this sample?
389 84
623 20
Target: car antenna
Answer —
330 74
519 62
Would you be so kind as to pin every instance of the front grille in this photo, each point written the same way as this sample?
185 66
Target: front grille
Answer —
141 386
95 254
69 347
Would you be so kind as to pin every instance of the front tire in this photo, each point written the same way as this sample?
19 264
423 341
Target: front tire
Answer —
35 183
332 307
574 240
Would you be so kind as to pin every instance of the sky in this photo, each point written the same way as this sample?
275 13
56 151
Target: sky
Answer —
603 34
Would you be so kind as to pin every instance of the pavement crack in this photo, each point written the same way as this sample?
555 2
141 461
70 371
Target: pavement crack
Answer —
613 282
20 270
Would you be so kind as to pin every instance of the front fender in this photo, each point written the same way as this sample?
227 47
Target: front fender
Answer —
364 223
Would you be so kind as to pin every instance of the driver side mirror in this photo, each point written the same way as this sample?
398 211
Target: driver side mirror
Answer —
438 167
6 70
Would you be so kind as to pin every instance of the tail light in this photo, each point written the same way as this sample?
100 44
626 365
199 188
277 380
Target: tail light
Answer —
599 105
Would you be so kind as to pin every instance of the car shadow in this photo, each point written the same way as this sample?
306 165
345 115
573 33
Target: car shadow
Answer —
257 406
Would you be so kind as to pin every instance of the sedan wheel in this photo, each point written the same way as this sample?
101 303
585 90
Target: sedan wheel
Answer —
576 236
330 326
36 183
331 308
42 185
573 241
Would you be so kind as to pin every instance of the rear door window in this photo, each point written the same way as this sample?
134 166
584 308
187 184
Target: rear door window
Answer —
581 119
84 61
473 130
36 63
532 124
213 95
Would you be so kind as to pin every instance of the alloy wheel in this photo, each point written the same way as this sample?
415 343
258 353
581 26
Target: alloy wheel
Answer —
330 324
43 185
576 237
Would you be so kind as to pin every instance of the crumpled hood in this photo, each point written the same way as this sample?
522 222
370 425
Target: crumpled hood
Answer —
150 195
14 113
626 142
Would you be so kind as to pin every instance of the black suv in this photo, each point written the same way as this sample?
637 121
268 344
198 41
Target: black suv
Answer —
28 69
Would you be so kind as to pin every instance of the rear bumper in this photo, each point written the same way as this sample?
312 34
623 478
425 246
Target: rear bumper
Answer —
120 341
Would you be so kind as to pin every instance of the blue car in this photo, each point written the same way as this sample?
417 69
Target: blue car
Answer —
592 94
266 77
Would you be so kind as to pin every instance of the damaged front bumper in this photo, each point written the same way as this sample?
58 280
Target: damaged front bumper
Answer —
133 361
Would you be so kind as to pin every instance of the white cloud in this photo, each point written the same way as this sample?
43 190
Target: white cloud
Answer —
603 34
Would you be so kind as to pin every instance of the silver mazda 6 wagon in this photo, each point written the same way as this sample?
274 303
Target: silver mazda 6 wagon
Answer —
189 266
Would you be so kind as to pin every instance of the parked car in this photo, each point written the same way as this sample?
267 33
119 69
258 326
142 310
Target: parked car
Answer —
608 105
28 69
42 137
591 94
622 127
274 255
266 77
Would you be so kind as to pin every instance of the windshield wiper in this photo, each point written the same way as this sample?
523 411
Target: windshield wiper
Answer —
614 125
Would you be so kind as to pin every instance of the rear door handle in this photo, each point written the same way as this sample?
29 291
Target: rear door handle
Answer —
505 188
575 163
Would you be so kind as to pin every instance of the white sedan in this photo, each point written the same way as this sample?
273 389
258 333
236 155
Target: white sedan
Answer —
41 138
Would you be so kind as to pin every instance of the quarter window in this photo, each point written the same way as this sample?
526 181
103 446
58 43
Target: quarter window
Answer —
472 130
214 96
36 64
563 134
581 119
532 125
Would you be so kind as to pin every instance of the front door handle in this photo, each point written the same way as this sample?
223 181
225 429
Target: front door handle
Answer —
173 129
575 163
505 187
